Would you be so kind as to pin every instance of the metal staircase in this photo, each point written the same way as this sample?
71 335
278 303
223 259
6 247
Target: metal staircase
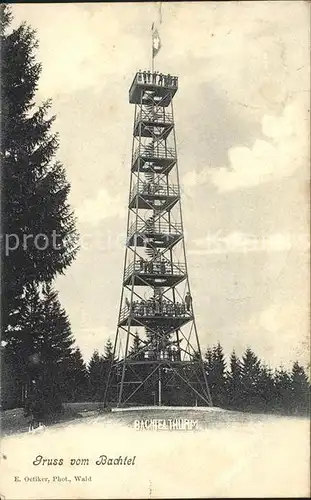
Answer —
155 278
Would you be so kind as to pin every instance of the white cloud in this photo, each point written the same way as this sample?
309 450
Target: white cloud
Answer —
255 55
191 179
284 150
102 206
283 329
94 338
239 242
81 46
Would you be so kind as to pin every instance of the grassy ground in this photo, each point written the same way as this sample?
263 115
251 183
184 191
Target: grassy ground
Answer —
234 455
14 422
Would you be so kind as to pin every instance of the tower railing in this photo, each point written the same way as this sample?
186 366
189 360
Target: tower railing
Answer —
154 189
157 116
155 227
149 309
160 308
154 79
155 268
158 152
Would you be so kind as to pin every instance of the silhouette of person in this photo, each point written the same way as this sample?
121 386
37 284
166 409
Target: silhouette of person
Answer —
188 301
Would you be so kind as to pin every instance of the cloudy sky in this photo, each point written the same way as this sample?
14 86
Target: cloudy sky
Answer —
242 119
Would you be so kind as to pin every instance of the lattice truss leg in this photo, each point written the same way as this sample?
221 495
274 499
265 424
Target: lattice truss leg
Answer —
157 355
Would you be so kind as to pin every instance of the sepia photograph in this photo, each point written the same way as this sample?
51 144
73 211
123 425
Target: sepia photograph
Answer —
155 250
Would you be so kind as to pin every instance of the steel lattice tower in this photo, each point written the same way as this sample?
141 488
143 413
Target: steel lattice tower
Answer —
157 355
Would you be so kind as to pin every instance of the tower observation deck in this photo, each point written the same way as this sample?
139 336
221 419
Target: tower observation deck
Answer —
157 356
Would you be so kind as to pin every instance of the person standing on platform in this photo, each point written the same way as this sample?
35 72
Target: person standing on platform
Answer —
160 79
162 266
144 76
148 76
142 308
188 301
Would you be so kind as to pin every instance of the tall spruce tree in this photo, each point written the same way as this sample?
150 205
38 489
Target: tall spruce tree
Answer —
40 238
41 348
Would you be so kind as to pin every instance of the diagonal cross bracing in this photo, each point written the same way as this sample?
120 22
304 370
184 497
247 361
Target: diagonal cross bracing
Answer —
156 321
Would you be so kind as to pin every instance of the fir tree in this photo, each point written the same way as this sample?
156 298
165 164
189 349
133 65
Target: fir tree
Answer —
75 378
300 390
108 350
109 369
96 374
35 189
136 351
250 379
41 348
283 401
216 368
234 382
266 389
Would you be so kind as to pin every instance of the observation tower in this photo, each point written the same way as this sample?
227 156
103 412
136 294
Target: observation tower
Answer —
157 354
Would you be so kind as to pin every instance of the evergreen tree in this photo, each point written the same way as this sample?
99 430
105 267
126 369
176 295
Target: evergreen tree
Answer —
209 360
108 350
216 369
266 389
109 366
300 390
96 374
251 370
234 383
283 401
136 352
40 349
36 218
75 383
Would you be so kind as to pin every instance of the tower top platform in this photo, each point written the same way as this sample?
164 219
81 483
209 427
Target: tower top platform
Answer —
147 84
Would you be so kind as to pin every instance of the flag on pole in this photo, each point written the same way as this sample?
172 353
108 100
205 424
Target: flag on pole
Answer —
160 12
156 41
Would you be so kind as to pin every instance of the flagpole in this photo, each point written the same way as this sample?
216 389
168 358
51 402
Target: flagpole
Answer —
152 58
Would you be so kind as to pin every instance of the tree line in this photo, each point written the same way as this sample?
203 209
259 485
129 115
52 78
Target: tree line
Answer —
40 361
248 384
244 384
